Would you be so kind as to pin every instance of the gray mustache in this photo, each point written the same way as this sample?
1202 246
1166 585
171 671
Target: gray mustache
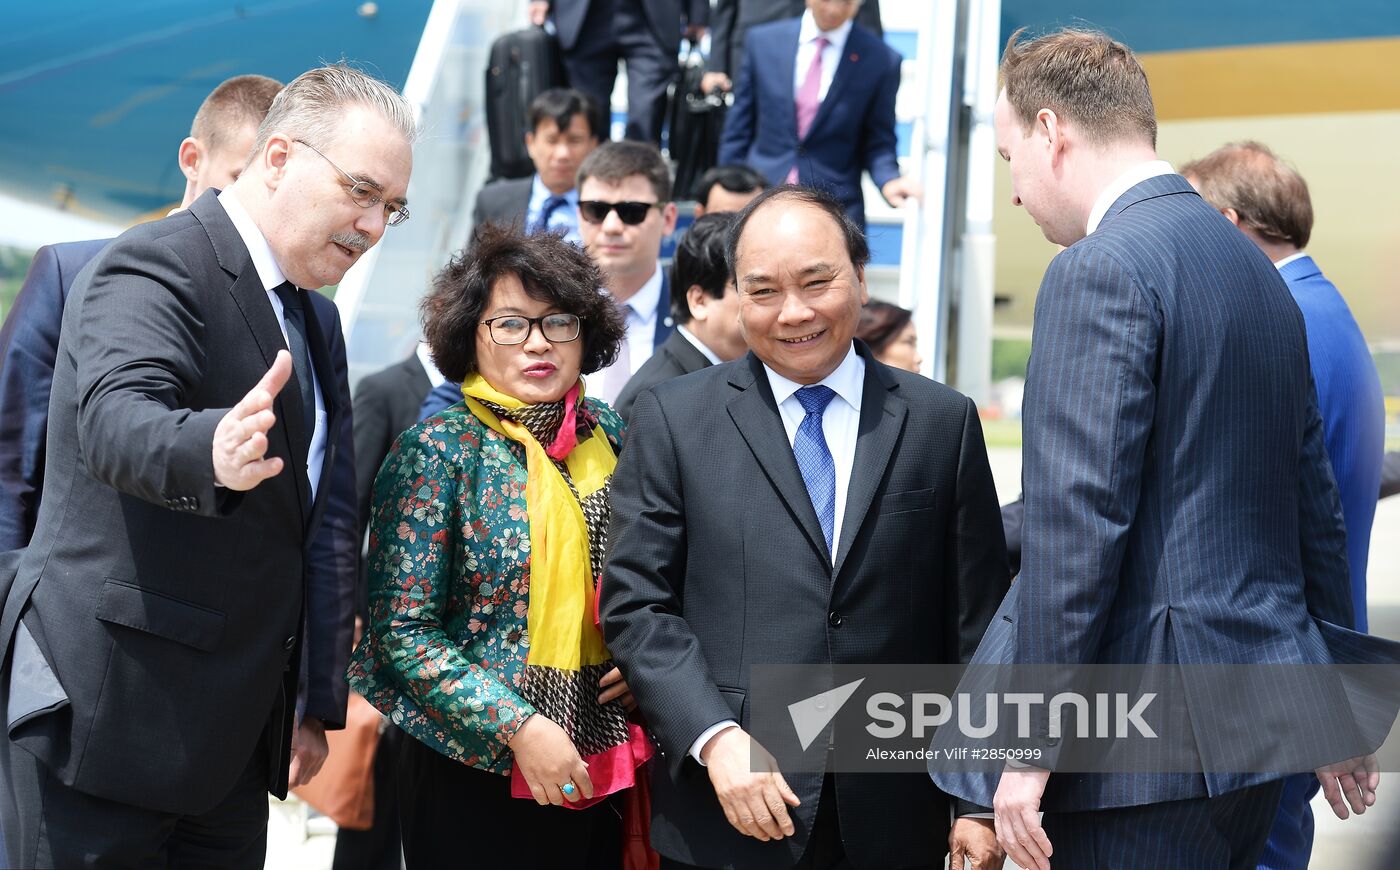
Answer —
352 240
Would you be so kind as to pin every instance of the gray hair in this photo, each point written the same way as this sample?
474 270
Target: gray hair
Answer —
313 106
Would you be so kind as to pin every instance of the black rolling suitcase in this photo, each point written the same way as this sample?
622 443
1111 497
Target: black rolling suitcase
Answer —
522 65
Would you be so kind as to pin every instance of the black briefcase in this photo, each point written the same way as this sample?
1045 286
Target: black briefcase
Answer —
523 64
697 121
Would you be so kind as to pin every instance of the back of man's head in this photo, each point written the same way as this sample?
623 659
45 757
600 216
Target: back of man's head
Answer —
615 162
237 104
700 261
1266 194
728 188
311 107
1084 77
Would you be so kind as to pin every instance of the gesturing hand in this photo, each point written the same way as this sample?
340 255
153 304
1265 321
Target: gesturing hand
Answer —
240 439
1353 781
755 803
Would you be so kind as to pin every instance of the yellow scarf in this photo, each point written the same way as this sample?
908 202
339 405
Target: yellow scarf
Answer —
562 593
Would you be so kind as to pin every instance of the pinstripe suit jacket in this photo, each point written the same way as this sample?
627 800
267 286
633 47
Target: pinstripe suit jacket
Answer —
1179 503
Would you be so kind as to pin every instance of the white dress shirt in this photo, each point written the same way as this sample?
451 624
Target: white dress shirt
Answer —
640 315
807 48
1122 184
435 377
565 217
1290 258
699 345
841 426
271 276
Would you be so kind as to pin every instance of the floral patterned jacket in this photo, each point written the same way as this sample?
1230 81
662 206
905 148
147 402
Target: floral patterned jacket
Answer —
449 586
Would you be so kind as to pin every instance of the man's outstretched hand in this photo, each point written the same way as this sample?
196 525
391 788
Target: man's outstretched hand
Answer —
240 439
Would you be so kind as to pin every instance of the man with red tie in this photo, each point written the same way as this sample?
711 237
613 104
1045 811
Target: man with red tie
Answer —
814 105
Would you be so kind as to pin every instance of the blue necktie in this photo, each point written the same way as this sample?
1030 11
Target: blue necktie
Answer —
814 458
551 205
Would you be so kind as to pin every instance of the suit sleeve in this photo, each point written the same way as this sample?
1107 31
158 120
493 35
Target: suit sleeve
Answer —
643 587
137 339
880 155
976 559
1013 516
28 348
333 564
722 36
1322 533
372 439
444 395
698 13
739 122
1089 412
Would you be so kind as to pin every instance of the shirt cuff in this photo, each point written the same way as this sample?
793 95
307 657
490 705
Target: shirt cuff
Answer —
705 736
988 816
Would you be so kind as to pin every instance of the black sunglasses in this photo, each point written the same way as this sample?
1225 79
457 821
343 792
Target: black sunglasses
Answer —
595 211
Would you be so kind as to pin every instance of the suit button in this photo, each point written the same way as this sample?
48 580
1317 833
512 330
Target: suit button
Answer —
834 619
289 643
194 504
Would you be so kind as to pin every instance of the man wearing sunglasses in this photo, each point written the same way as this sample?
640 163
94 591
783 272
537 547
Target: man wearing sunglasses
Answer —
155 623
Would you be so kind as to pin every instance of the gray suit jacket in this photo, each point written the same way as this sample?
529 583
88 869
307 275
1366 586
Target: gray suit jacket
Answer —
718 563
675 357
503 202
161 616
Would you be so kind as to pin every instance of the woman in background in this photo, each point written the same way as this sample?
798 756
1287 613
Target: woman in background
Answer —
889 330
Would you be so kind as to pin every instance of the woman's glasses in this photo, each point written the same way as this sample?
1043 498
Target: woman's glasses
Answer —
511 329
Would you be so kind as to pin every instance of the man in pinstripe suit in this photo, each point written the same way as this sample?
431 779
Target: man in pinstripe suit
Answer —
1179 507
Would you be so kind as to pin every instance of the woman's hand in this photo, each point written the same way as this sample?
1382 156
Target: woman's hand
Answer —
615 688
549 761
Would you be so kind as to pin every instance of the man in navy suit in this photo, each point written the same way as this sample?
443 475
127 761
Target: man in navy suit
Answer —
1178 504
814 105
1269 201
595 34
213 156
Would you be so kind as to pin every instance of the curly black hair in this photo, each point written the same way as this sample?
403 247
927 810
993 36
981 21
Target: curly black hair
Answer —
550 269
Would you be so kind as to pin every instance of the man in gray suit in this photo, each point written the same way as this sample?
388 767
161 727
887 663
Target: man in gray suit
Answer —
803 504
706 308
561 135
1179 509
155 623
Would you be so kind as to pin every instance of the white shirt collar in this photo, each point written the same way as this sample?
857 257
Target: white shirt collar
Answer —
1134 176
847 381
645 300
539 193
268 271
836 38
435 377
699 345
1290 258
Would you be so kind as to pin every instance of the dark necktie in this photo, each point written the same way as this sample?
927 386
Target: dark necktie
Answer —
294 314
551 205
814 457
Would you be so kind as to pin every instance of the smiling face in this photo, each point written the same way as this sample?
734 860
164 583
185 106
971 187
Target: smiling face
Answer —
800 296
316 230
537 370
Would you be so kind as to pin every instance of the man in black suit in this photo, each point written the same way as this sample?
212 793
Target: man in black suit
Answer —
561 135
706 311
803 504
733 18
154 626
595 34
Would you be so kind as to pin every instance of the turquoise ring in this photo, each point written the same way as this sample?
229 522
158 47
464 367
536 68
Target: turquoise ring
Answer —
568 789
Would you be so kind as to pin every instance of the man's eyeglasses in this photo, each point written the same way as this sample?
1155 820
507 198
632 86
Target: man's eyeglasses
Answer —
363 193
511 329
595 211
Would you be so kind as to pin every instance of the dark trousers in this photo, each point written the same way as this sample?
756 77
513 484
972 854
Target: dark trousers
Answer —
451 814
48 824
379 847
618 30
825 851
1291 837
1200 833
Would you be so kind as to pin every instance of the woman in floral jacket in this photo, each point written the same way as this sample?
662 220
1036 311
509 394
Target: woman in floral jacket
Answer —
486 543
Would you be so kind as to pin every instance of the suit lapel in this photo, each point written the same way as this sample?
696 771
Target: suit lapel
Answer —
882 414
755 412
787 59
251 298
687 356
665 323
846 69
